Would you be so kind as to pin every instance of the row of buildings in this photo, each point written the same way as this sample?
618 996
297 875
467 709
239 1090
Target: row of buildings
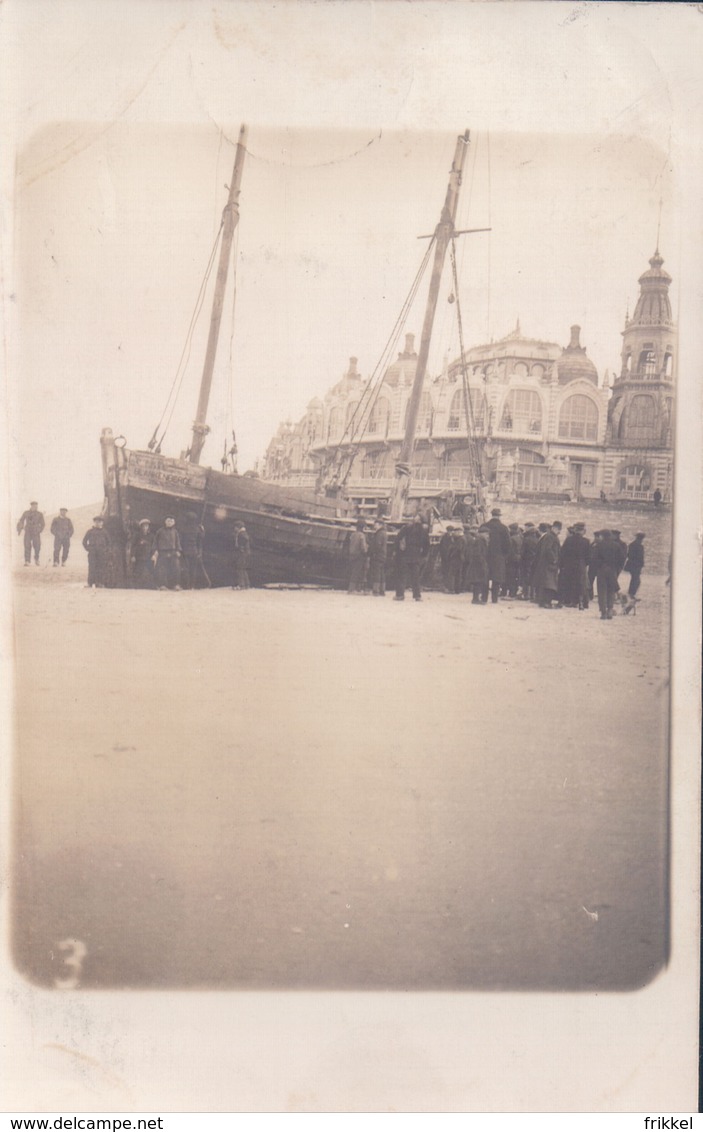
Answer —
541 422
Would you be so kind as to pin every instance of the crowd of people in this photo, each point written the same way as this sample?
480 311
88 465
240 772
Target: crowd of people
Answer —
488 560
492 560
165 557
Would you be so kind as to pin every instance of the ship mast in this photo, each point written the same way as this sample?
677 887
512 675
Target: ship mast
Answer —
230 219
443 234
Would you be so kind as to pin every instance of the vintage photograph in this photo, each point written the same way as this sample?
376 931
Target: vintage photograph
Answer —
351 619
305 377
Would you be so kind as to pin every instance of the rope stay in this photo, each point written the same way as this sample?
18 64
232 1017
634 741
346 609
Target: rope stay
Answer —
155 443
474 458
357 424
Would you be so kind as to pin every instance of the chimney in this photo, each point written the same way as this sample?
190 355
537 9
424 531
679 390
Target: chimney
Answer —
574 344
409 344
352 367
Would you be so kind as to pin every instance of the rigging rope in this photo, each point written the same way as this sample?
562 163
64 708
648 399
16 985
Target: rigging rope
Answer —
185 353
358 422
468 407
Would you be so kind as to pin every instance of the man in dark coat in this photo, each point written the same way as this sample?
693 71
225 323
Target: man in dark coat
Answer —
358 558
498 551
634 566
476 571
444 549
573 568
97 542
167 555
140 552
545 576
32 523
62 530
413 547
512 575
378 552
191 533
606 562
527 560
456 561
242 557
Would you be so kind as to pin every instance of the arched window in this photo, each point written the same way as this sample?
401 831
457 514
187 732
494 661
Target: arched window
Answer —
522 412
424 416
335 423
641 418
378 418
457 414
578 419
648 362
668 364
538 371
634 477
520 369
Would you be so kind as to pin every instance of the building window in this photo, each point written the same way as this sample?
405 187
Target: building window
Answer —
635 477
520 369
378 418
457 415
588 475
641 418
578 419
668 364
522 412
538 371
648 362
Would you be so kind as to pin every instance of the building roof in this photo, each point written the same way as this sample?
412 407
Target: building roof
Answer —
574 365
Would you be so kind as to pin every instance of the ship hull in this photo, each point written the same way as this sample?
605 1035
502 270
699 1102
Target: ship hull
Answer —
297 537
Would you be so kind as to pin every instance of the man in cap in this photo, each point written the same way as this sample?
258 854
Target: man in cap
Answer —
605 560
412 550
97 542
242 556
512 566
378 553
358 558
498 551
140 552
32 523
444 549
530 540
191 534
62 530
634 566
166 556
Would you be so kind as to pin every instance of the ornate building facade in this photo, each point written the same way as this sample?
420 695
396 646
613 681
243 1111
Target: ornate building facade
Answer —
541 421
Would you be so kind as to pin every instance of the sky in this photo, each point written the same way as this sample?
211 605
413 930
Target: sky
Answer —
112 246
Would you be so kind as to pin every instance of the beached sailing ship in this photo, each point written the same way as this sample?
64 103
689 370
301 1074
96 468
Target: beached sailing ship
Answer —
299 536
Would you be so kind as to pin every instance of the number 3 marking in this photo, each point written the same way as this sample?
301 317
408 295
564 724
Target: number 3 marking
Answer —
77 952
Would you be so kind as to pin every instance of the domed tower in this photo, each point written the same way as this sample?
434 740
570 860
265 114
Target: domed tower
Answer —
573 363
641 411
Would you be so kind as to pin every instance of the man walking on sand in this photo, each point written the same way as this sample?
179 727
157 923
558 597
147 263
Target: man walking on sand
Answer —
634 567
32 523
62 530
606 561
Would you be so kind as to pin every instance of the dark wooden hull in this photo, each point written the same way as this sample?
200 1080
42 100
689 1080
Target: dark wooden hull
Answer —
297 537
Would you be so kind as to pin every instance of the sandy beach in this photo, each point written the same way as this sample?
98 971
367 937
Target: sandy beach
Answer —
305 788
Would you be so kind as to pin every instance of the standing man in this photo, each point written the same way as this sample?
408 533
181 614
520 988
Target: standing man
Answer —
242 556
445 548
166 556
378 552
512 577
546 572
605 560
413 549
457 561
657 497
634 566
191 534
498 551
140 552
358 553
32 523
97 542
573 568
62 530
